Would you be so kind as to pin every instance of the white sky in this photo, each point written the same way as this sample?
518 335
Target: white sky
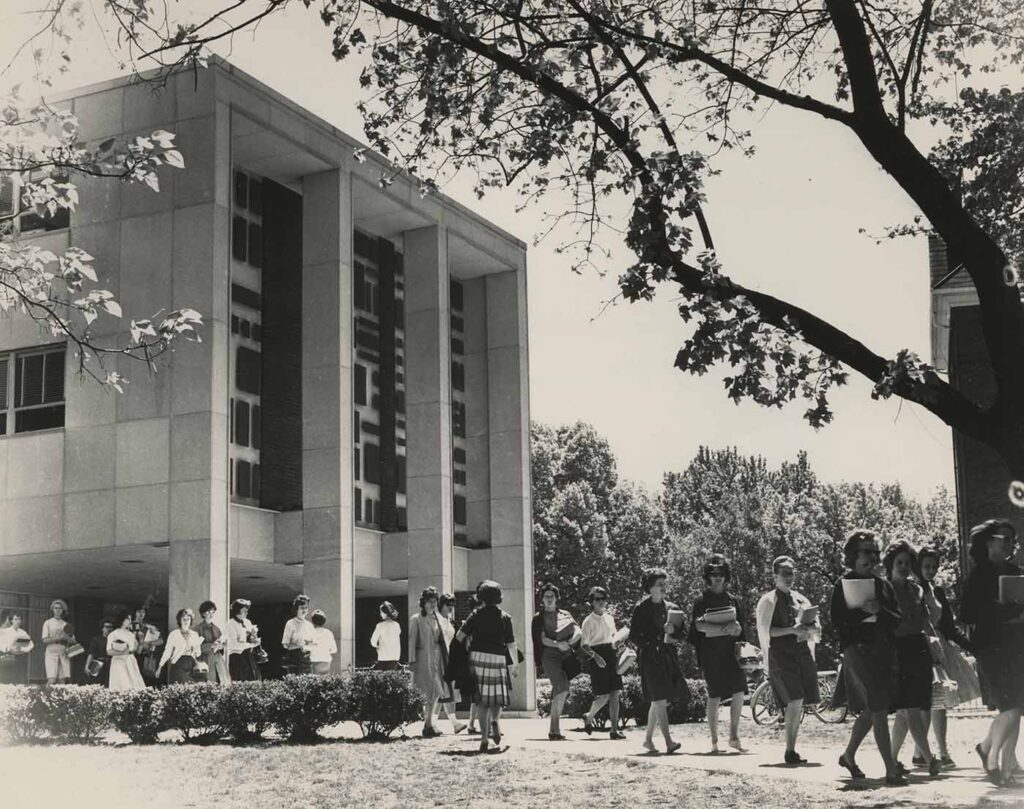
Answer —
785 221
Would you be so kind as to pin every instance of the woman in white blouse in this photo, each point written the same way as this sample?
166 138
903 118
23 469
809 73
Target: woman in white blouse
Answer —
598 641
242 638
121 646
183 649
324 646
57 640
298 638
15 644
387 638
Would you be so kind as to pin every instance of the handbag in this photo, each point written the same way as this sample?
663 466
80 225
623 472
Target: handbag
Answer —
627 659
149 665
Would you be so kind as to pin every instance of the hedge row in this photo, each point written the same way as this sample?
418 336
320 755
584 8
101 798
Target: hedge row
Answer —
297 708
632 704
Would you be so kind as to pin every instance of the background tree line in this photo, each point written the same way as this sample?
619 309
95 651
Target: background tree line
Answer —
592 527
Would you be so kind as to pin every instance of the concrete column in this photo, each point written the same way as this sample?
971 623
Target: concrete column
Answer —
328 573
428 404
509 438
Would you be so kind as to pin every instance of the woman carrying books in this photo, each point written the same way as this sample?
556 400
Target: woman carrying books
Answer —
997 634
600 645
122 646
183 652
97 664
555 633
57 638
15 644
242 641
714 632
656 629
865 614
788 628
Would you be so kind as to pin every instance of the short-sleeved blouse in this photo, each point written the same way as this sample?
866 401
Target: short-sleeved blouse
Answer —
491 630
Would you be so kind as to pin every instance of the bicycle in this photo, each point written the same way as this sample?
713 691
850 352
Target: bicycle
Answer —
765 709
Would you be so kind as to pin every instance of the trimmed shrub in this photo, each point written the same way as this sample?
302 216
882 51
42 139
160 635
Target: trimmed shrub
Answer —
247 709
75 712
192 710
21 712
138 714
305 703
381 701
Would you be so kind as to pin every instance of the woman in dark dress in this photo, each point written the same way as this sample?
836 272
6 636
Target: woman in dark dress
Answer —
555 633
914 660
869 653
716 649
787 634
997 634
660 675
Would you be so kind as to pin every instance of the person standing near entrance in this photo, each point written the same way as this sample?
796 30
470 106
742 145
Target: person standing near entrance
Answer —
98 655
15 644
213 644
428 655
787 641
57 640
297 638
387 638
324 646
121 646
183 650
242 641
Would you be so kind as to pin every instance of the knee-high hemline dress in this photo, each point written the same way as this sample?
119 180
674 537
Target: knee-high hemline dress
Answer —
661 677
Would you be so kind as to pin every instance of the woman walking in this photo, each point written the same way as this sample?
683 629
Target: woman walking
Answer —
869 651
242 640
324 645
182 651
121 647
787 632
446 610
492 651
56 639
598 641
914 659
656 639
555 633
297 639
213 645
997 634
428 656
387 638
715 642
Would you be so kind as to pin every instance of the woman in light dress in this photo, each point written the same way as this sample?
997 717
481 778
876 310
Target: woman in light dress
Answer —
428 655
121 646
57 639
387 638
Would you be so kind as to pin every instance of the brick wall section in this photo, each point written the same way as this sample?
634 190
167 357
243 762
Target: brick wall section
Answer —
982 479
281 396
940 263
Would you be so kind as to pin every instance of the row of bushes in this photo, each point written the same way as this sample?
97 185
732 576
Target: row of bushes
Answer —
297 708
632 704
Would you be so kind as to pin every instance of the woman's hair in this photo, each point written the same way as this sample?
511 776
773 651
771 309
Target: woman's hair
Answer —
853 540
141 608
651 576
717 563
121 616
782 560
445 599
894 550
6 616
387 609
550 587
206 606
301 600
428 594
928 551
238 605
981 534
182 613
490 593
62 602
598 593
318 618
474 601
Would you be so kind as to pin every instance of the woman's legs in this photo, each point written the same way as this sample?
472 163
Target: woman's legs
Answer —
599 702
937 719
880 726
429 709
613 709
482 712
918 729
473 710
735 711
794 715
652 721
448 709
557 703
713 703
1008 757
900 725
861 725
997 736
663 724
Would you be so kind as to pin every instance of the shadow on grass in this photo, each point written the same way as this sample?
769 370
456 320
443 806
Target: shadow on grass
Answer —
782 765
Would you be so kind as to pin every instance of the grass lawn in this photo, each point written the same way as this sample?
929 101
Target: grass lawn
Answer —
414 773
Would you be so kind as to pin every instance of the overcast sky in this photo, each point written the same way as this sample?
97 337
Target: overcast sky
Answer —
785 221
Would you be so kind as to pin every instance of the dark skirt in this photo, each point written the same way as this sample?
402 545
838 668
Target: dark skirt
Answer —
14 669
914 679
722 672
660 675
386 665
296 661
793 673
183 671
553 663
869 674
243 668
1000 668
607 679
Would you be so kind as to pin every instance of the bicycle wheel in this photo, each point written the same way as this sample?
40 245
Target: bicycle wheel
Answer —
762 704
825 710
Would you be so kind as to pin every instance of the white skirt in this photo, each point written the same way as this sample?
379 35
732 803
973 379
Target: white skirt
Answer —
125 674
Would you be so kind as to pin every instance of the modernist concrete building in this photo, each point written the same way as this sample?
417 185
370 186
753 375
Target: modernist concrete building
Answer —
354 424
958 349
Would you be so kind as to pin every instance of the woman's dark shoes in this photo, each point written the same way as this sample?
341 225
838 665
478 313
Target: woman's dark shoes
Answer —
430 733
472 731
855 771
995 777
495 733
901 768
793 757
616 735
918 761
934 766
897 779
483 745
982 755
588 726
946 762
672 748
556 737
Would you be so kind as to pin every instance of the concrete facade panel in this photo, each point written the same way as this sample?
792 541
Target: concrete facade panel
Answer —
90 455
143 452
89 520
142 514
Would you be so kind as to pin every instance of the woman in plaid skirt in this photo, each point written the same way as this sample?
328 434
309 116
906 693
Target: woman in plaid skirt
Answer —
492 656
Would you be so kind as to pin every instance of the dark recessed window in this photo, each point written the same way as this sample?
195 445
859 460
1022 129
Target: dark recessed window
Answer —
359 383
255 481
244 328
241 190
357 504
371 463
257 428
32 383
458 376
239 237
359 287
242 423
459 509
243 477
255 245
247 370
356 465
400 464
256 196
456 296
234 324
355 427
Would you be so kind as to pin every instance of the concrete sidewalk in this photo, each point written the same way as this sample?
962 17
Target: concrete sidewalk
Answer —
966 784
